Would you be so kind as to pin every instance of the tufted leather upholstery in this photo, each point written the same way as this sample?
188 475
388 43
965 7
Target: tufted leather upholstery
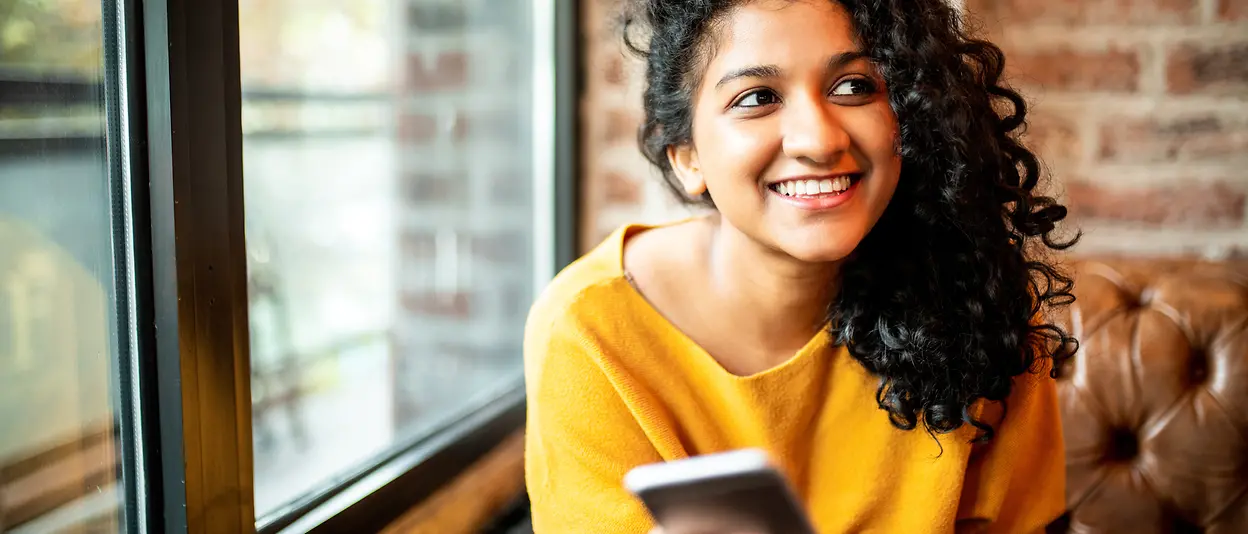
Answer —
1155 405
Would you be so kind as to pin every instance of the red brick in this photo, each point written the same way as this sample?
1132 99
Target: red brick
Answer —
1208 70
1072 70
455 304
1054 138
613 69
423 127
1199 206
995 12
620 126
417 246
419 127
1190 139
449 71
426 188
620 189
1233 10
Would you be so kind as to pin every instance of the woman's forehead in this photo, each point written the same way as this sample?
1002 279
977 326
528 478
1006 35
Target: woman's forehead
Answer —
781 33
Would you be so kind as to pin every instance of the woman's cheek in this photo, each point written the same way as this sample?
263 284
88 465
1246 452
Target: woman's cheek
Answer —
738 149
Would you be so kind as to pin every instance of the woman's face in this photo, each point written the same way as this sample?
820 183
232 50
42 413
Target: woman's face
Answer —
793 134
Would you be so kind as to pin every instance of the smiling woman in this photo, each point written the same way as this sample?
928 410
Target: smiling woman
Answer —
869 269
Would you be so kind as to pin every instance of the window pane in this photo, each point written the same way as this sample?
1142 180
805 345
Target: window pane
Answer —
387 155
59 450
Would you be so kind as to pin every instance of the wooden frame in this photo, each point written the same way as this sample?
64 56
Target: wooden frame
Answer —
202 371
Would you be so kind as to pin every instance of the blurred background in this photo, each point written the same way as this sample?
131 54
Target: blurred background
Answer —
1139 112
388 156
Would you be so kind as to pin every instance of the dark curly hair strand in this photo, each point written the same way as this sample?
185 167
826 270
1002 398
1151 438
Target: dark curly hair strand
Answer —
943 299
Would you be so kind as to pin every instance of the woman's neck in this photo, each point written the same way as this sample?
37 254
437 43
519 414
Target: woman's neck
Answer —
773 296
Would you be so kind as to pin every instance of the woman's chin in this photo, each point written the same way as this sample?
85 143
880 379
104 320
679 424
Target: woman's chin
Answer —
820 240
819 252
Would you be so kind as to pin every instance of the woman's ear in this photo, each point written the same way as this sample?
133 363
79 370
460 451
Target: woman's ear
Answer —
684 161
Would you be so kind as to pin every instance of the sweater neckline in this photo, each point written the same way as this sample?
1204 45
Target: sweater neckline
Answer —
700 356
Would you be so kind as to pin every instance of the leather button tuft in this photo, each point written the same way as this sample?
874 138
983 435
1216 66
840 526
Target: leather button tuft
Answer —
1197 367
1123 446
1183 526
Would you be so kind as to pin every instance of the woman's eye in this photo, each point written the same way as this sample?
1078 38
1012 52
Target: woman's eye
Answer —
854 86
756 99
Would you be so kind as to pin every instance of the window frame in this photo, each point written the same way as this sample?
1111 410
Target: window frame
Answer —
186 428
199 388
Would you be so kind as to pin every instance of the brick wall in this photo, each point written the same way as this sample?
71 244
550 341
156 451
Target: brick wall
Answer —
619 185
464 194
1140 115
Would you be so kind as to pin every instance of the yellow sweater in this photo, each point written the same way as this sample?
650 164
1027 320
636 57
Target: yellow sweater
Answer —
613 385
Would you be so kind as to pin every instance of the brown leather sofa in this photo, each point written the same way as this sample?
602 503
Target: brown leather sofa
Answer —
1155 405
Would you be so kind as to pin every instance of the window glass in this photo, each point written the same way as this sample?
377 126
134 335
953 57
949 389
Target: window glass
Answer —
59 450
387 156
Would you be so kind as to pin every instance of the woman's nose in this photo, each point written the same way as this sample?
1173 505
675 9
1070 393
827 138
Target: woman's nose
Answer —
813 132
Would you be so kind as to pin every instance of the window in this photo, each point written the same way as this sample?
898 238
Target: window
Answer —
266 264
63 321
388 173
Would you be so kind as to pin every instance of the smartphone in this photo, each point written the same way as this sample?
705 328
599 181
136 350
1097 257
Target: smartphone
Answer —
735 491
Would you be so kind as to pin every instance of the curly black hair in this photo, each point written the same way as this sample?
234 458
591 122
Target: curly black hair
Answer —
943 299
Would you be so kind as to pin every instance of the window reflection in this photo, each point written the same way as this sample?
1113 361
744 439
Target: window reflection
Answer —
58 404
386 168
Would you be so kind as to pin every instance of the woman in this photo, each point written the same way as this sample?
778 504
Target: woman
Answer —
864 303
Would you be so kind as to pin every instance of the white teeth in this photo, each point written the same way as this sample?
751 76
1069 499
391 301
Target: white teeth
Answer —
814 187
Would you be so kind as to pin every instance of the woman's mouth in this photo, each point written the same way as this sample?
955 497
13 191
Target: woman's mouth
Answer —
809 187
817 193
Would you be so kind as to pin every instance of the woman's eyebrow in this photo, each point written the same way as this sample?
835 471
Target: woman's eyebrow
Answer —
835 63
753 71
839 61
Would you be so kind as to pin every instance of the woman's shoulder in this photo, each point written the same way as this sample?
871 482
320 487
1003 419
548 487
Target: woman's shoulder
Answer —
584 286
603 279
595 305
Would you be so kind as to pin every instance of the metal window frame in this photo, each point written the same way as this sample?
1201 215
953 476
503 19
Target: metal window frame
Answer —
186 384
124 134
